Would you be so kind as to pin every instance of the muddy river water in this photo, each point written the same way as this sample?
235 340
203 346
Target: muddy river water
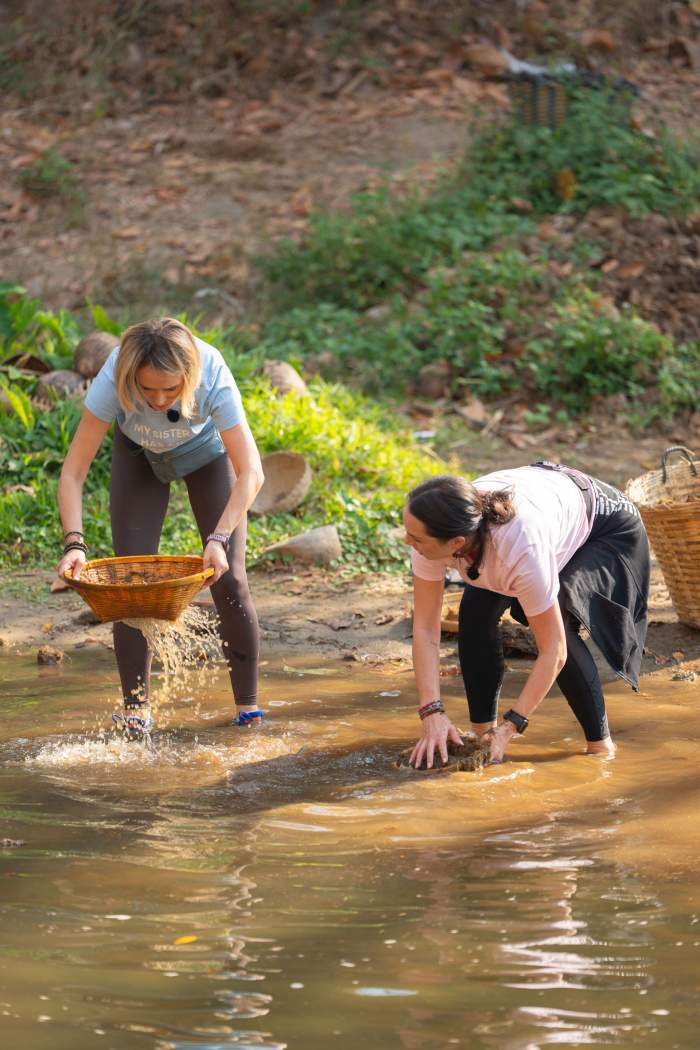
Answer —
289 888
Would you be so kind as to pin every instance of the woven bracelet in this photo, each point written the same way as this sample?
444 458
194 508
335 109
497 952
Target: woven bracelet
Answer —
75 546
435 707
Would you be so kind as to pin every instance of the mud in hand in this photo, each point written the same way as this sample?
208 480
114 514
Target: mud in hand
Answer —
471 755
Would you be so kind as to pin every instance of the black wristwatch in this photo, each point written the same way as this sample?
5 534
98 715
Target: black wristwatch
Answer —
519 721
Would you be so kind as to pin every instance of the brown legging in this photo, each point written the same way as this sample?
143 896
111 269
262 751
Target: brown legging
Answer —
138 502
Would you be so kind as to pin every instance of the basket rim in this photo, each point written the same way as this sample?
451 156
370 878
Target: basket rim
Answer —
204 574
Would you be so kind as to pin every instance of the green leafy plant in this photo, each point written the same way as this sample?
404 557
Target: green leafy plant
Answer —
52 176
595 157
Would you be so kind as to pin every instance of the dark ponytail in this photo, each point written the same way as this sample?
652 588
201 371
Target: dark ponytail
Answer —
449 506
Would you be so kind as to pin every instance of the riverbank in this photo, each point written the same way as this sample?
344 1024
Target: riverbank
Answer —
311 616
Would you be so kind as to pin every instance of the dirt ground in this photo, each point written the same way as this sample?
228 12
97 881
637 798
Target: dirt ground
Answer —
170 196
310 619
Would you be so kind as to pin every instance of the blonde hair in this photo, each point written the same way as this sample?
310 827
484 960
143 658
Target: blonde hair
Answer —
166 345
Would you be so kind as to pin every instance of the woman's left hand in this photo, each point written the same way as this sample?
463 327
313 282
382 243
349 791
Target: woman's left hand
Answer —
498 740
215 558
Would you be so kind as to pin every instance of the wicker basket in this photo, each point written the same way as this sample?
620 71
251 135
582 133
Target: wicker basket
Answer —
153 585
669 502
287 480
539 100
449 617
543 98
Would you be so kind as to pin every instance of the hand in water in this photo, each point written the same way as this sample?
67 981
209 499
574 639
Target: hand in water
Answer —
436 731
498 739
215 558
73 560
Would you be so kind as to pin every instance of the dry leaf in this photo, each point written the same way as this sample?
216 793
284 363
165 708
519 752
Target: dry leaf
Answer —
58 586
519 441
383 618
599 40
566 184
487 60
655 43
609 265
496 94
631 270
474 412
339 623
129 233
19 488
685 51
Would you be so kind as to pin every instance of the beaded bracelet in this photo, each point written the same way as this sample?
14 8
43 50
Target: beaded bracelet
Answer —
435 707
73 532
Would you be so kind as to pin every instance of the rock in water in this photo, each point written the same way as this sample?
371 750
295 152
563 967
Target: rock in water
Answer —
47 654
472 754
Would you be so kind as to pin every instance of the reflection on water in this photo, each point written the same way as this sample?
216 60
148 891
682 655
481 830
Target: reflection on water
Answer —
290 888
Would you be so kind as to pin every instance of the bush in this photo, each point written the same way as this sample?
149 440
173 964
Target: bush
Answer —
589 354
595 158
382 244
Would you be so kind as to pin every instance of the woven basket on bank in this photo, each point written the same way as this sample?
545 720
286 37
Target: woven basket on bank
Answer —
669 502
155 585
449 617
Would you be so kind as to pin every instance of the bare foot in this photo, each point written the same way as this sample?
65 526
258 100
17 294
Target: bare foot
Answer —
605 747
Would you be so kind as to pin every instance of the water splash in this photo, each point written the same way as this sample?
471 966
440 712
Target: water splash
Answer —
186 650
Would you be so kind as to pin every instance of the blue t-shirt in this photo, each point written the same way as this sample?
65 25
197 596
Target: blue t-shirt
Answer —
217 397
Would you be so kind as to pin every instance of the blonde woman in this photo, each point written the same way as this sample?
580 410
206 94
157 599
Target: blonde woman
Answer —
177 414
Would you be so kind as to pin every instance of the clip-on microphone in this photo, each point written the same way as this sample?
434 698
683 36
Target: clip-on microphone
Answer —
173 415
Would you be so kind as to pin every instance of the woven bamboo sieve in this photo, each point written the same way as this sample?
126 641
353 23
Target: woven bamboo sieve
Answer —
160 586
669 503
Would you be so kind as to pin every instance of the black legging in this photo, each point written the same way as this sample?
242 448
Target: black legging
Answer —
481 661
138 502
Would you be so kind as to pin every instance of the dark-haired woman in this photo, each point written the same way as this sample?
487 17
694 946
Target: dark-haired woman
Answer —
178 414
560 549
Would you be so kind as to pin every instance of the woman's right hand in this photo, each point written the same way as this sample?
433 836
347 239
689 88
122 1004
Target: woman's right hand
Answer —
73 560
436 730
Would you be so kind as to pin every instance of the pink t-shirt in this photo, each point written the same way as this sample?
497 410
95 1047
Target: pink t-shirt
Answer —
524 557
